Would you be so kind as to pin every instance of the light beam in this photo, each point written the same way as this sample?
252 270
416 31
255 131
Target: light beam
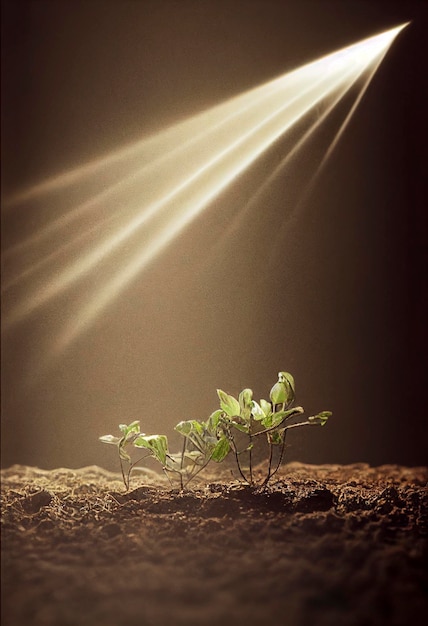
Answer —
162 183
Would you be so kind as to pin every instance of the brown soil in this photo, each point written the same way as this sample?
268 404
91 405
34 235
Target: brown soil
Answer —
322 546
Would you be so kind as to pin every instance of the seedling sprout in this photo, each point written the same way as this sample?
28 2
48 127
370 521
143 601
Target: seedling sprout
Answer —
220 435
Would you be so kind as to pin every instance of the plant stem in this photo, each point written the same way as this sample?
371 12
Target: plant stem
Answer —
250 455
132 465
123 474
192 476
265 482
300 424
281 456
182 463
267 430
235 451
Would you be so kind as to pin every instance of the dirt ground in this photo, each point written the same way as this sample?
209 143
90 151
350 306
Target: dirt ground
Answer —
323 545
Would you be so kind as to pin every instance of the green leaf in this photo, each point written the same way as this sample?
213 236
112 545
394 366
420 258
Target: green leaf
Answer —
133 427
282 416
321 418
213 421
283 391
157 444
261 411
221 450
229 404
245 399
276 419
266 407
288 379
257 411
189 427
110 439
278 393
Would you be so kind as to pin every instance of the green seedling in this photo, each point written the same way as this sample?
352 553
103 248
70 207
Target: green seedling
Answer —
215 438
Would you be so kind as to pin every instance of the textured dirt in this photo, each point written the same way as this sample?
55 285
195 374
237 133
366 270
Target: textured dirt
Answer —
323 545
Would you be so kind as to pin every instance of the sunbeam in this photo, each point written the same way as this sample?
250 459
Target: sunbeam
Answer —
162 183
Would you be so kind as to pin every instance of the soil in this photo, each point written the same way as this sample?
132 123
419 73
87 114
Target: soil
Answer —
322 545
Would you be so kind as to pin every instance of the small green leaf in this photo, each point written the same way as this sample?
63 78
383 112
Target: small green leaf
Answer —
110 439
283 391
282 416
188 427
133 427
266 407
276 419
278 393
229 404
257 411
287 378
245 399
321 418
221 450
213 421
157 444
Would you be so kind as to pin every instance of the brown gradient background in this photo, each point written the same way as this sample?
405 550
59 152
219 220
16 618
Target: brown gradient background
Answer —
340 303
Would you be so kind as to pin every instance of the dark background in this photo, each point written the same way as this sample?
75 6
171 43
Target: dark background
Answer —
339 300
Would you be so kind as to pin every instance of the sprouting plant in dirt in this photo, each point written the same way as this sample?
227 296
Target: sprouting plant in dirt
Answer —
270 419
222 433
202 443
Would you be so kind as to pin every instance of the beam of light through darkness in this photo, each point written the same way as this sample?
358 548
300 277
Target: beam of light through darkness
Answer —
312 180
237 222
162 183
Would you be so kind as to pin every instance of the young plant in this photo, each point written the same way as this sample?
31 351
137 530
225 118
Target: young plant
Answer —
202 443
157 446
215 438
264 418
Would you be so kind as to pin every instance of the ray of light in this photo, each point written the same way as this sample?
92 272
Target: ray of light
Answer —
315 176
180 220
180 189
43 262
160 151
225 165
160 143
238 220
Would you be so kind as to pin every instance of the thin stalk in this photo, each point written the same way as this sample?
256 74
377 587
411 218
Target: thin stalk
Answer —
250 454
235 452
167 475
270 462
300 424
182 463
283 444
123 474
192 476
132 465
281 456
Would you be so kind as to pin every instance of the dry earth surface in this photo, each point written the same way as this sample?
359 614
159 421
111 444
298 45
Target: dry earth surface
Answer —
323 545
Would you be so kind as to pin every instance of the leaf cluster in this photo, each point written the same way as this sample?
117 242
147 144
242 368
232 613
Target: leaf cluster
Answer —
217 437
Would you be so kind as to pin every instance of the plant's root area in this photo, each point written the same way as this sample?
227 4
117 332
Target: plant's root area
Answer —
321 546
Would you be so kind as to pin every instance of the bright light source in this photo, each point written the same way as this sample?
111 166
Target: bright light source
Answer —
164 182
